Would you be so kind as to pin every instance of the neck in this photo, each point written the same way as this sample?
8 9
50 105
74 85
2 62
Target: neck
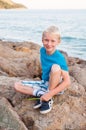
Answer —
50 53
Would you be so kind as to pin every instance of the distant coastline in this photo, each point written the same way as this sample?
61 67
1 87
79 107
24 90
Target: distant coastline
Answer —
8 4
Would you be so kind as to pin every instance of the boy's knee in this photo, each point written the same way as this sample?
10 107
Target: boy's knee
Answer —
55 68
16 86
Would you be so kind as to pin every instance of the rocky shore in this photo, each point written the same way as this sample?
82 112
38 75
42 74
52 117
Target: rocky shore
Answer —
9 4
20 61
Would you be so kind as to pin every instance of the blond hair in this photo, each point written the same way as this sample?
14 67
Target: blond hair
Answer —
52 30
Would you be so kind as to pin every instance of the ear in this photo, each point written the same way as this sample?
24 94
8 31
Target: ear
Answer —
59 40
42 40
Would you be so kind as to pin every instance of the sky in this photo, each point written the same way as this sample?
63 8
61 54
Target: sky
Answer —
53 4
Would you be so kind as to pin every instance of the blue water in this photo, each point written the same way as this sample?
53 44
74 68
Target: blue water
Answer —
27 25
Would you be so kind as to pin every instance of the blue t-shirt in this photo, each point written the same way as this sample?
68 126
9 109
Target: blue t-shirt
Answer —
48 60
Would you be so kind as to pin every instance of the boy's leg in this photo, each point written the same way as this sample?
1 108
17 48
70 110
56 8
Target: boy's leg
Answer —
55 76
23 89
27 90
31 89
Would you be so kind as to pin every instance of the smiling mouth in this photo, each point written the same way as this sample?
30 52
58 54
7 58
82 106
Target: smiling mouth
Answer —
49 47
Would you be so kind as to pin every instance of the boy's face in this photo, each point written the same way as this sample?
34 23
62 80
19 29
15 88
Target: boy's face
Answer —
50 41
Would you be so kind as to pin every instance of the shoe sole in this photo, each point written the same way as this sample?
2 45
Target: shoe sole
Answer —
44 112
38 106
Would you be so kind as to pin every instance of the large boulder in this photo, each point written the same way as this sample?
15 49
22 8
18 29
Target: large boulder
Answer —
20 63
79 73
9 119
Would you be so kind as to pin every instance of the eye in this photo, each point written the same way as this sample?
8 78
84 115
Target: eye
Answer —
52 40
46 40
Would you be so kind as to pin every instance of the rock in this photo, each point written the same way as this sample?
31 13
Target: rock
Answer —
79 73
8 117
9 4
7 90
64 115
76 89
20 61
3 73
24 49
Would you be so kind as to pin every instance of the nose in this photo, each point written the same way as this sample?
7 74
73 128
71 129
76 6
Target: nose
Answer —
49 42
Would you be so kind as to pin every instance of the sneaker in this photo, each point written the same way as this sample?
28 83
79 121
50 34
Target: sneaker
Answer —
37 104
46 106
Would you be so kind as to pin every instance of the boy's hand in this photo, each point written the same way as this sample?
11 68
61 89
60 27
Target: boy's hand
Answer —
46 97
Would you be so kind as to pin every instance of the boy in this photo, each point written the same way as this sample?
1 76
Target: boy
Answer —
55 76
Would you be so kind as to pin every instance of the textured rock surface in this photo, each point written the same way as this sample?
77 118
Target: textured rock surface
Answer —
21 61
9 119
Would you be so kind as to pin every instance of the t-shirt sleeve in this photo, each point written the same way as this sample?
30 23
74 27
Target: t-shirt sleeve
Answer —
64 65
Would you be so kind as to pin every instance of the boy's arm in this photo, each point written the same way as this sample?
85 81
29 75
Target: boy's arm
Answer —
63 85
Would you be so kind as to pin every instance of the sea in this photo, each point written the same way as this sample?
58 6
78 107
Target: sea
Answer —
28 25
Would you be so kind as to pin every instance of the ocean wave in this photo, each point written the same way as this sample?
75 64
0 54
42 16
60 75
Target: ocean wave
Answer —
68 38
